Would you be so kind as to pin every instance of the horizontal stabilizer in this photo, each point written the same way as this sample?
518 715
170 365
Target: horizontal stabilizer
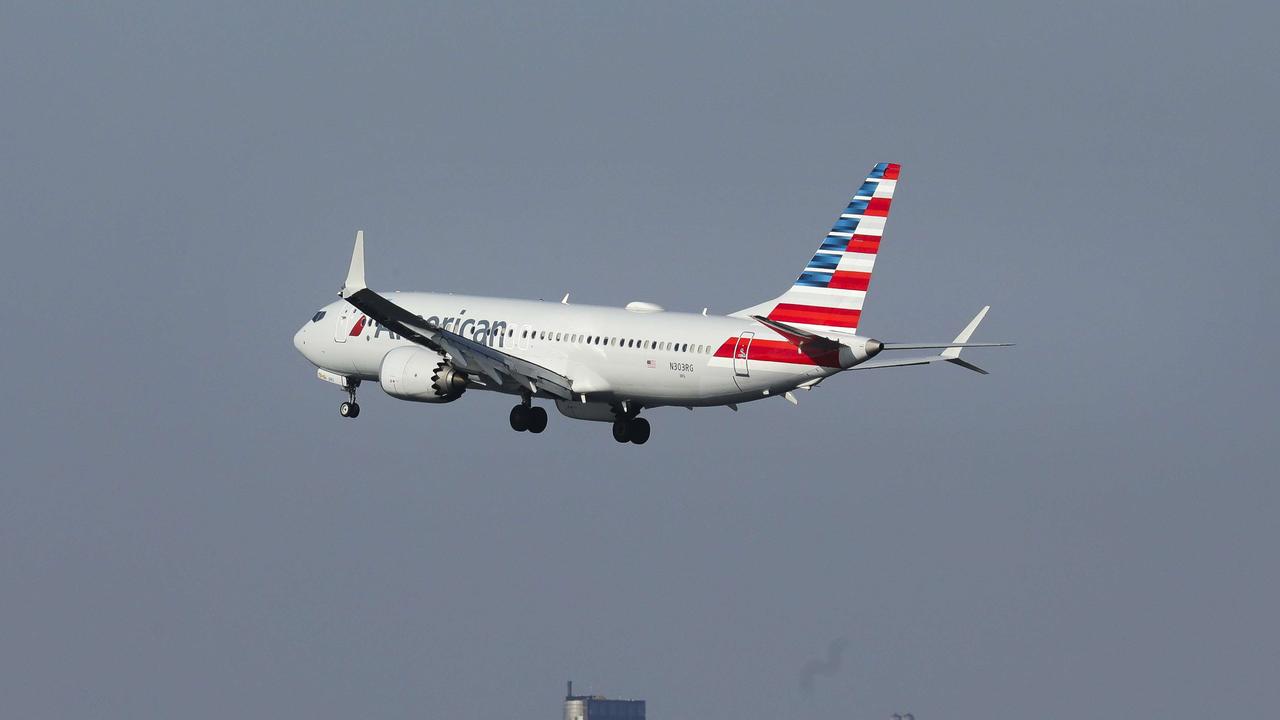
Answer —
966 365
795 335
950 351
939 346
908 361
897 362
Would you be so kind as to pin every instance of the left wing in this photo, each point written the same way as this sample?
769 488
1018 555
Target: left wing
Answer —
470 356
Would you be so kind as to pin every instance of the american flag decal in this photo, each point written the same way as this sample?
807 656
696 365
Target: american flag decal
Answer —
829 293
650 363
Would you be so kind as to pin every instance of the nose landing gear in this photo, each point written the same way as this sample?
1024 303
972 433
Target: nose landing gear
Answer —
351 408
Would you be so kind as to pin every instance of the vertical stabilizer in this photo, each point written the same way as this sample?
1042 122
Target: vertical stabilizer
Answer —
828 295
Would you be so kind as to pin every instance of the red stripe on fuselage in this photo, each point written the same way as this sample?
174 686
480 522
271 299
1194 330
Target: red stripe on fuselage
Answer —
815 315
358 327
726 350
780 351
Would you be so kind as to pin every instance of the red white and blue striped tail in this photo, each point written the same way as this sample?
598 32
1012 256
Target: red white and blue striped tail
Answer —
828 295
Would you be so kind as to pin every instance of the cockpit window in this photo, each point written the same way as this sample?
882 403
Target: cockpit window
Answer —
317 316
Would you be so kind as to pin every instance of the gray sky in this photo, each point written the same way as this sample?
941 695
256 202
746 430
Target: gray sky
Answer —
188 529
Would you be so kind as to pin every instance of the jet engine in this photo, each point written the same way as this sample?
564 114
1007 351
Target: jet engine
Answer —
422 375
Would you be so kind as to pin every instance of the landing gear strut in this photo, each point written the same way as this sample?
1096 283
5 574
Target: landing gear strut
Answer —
351 408
629 427
527 416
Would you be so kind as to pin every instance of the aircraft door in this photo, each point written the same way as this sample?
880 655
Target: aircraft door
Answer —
343 324
741 350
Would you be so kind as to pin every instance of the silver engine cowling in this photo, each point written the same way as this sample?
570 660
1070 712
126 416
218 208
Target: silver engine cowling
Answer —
421 375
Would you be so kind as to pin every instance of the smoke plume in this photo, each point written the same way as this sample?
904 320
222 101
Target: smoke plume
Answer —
826 666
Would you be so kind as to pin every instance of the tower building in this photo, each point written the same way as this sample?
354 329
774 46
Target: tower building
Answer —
598 707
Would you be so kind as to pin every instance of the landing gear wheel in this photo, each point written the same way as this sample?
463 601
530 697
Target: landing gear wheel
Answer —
349 410
621 430
638 433
537 419
520 418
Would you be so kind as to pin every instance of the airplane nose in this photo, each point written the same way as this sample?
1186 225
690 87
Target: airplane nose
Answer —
300 340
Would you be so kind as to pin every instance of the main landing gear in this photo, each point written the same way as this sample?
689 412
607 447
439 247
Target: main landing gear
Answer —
631 429
527 416
351 408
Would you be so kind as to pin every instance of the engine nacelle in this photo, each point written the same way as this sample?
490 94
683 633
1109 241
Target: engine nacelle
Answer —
421 375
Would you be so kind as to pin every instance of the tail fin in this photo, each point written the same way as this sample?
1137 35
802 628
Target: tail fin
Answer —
828 295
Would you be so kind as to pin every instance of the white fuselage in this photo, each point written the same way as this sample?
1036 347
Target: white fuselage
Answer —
651 358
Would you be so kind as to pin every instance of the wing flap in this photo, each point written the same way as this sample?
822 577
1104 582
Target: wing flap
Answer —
478 356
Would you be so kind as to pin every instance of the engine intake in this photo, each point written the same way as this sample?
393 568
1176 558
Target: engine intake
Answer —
421 375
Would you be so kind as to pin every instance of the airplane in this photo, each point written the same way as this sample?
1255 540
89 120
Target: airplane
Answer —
607 364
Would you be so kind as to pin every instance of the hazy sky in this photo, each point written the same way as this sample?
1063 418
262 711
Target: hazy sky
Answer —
189 530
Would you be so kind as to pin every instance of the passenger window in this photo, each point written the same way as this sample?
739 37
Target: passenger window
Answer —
557 337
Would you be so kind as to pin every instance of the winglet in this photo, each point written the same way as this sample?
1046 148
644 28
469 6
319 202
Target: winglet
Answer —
355 273
952 353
